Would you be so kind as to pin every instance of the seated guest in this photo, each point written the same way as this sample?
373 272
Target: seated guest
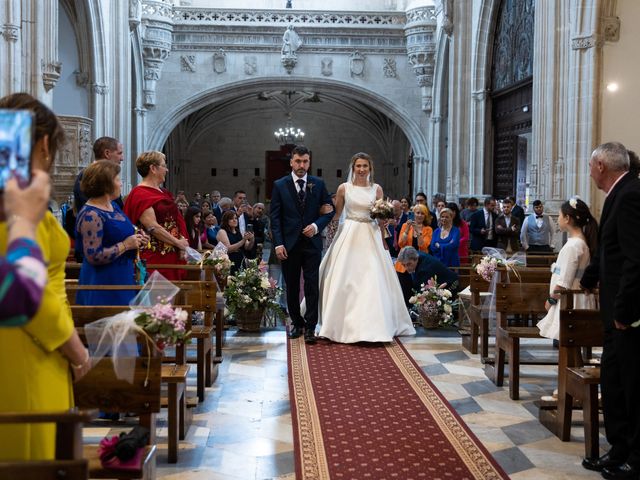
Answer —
419 268
508 228
236 243
192 220
537 231
23 274
106 236
446 240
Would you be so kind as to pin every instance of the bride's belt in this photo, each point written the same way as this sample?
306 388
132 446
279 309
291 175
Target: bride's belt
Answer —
362 219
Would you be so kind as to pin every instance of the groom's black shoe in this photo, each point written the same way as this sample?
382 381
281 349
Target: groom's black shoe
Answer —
295 332
599 464
309 337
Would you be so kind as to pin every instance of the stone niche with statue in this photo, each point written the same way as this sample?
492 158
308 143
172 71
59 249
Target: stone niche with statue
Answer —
74 154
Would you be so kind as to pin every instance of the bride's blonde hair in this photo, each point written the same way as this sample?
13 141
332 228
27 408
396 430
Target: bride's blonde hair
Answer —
354 159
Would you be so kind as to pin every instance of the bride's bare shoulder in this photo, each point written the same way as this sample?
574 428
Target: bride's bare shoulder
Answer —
342 187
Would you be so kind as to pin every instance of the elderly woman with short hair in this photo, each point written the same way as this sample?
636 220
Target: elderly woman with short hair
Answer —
106 236
153 208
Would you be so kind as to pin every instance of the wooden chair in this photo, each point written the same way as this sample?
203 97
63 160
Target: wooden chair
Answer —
69 462
525 299
174 376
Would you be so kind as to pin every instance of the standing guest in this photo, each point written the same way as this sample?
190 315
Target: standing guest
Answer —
482 226
237 244
417 232
225 204
471 207
421 199
197 198
406 204
215 207
239 202
616 268
152 207
574 257
463 249
182 205
439 205
205 207
419 267
23 273
106 236
41 358
508 228
181 197
192 221
259 223
517 211
394 227
211 228
445 241
536 235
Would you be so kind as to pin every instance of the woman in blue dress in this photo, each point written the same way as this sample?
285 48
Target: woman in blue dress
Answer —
445 241
107 237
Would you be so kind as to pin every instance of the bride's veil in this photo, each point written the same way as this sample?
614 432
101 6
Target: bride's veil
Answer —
343 215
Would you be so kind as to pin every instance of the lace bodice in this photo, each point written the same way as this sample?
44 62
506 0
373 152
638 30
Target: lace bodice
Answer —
358 201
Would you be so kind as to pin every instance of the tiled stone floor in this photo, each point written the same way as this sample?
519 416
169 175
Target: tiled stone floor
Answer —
243 429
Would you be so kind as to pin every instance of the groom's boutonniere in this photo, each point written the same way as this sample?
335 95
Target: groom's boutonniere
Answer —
310 186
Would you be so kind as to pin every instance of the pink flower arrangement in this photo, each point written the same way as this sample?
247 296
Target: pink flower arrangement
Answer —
165 324
435 302
487 267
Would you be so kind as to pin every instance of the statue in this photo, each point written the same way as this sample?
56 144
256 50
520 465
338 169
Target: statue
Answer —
291 42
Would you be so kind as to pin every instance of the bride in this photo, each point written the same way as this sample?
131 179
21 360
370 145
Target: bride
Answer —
360 295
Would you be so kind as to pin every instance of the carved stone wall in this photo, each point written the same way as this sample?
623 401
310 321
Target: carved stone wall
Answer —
76 153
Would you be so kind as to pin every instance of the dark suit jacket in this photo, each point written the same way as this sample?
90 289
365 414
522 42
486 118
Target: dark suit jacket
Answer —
518 212
616 266
394 232
506 236
476 224
429 267
288 217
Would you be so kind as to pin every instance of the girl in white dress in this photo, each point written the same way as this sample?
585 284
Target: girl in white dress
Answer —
360 295
582 229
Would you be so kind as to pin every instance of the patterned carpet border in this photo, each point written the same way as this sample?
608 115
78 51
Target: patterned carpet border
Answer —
311 460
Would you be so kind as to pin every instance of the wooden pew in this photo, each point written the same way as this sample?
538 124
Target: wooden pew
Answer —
175 376
526 299
69 462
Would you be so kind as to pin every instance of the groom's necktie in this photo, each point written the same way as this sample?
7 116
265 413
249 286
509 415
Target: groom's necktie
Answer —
301 193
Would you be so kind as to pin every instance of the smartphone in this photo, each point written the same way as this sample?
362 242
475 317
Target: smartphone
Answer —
249 227
411 216
16 137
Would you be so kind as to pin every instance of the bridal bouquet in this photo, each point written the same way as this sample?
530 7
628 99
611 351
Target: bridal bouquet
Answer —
381 209
434 304
488 266
164 324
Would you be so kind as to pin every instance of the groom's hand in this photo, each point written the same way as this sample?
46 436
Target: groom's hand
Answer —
281 252
309 230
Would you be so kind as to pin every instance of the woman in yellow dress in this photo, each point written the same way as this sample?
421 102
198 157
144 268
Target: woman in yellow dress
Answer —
39 360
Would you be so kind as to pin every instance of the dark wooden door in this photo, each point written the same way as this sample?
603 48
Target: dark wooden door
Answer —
277 165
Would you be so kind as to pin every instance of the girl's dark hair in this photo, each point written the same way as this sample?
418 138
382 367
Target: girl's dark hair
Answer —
46 122
226 218
453 206
582 218
188 219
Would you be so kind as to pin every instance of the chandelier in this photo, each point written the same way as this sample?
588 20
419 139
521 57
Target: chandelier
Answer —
289 135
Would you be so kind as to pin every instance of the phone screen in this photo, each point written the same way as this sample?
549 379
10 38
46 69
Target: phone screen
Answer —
16 134
411 216
249 227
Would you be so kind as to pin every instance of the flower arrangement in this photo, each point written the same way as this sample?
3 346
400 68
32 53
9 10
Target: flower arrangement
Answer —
488 266
164 324
251 289
220 262
434 304
381 209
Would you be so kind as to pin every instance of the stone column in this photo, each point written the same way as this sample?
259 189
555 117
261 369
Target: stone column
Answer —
50 64
72 156
10 47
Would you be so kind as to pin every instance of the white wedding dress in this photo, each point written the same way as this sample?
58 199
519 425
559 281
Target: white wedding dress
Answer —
360 295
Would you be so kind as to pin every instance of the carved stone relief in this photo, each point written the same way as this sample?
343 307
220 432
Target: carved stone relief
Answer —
74 154
356 64
50 74
611 29
220 61
10 32
583 43
250 65
327 66
82 78
389 68
188 63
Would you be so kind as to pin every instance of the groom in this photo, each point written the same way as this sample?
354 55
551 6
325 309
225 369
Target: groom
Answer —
295 224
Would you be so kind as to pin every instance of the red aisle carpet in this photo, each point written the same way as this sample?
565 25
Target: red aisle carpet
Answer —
367 411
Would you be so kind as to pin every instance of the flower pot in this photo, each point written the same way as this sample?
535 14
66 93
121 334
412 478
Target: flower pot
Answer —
249 320
430 321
